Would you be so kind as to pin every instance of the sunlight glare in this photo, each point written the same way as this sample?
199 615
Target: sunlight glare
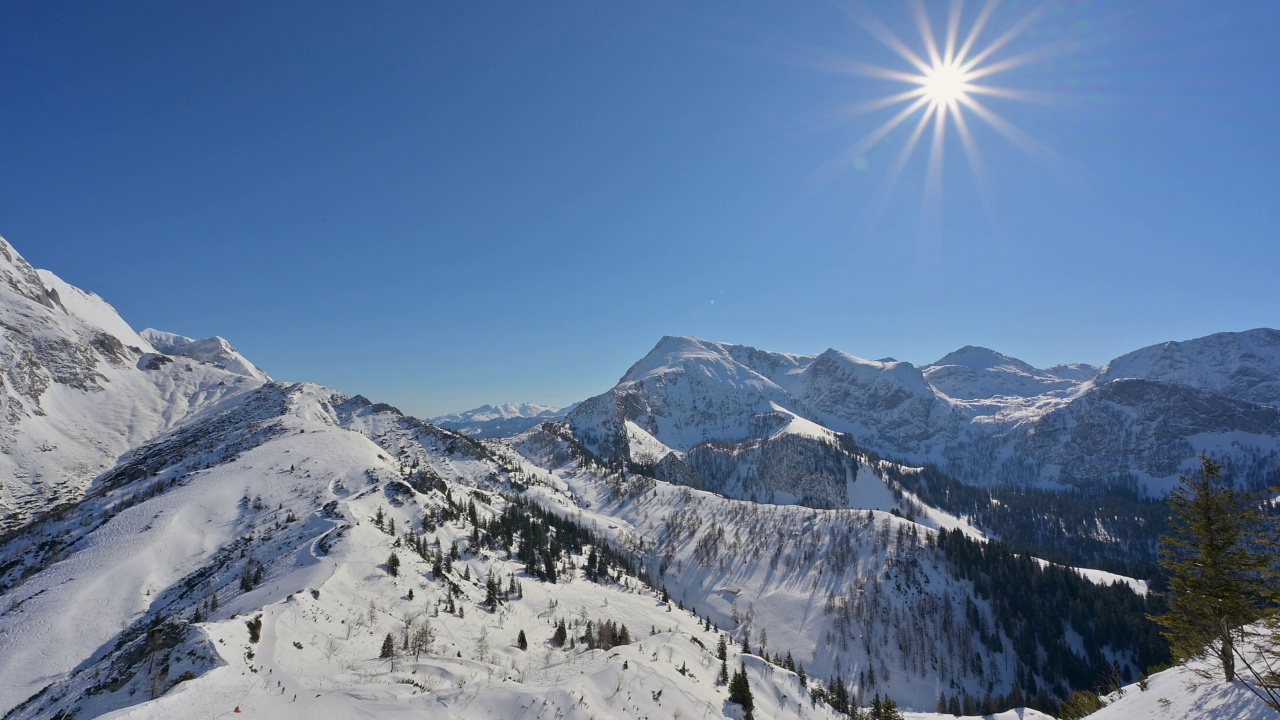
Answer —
945 84
943 81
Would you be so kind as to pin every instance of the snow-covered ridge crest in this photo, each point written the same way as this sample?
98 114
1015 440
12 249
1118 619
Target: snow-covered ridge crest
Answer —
1242 365
214 351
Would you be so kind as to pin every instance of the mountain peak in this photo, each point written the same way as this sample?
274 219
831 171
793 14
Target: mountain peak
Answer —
214 351
670 352
976 357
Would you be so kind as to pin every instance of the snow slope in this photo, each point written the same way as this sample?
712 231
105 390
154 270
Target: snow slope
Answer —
1180 692
293 477
856 592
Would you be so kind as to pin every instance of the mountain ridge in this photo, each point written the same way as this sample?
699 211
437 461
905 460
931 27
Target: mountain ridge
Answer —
975 412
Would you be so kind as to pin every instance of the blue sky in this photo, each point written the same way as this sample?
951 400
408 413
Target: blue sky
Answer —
440 205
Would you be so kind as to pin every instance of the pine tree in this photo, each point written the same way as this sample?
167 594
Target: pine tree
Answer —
521 641
740 691
561 634
889 709
393 565
1218 568
493 593
388 647
722 655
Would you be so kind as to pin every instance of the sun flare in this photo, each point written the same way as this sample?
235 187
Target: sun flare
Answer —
947 78
945 84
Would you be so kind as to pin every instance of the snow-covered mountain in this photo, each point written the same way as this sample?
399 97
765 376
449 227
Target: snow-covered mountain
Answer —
81 388
243 560
490 421
1242 365
235 544
981 416
212 351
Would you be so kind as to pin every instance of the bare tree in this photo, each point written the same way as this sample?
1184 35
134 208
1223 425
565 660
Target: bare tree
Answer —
408 617
330 647
424 637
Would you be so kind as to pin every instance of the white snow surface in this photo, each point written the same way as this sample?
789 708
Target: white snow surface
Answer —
1181 693
93 310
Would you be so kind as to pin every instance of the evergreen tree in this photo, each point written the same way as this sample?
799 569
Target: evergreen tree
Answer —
493 593
521 641
561 634
722 653
740 691
889 709
1218 568
838 694
388 647
393 565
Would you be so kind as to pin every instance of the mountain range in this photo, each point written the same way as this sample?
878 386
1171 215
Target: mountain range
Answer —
489 421
704 409
184 536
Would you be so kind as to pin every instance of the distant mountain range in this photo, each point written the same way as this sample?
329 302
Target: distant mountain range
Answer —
702 409
490 421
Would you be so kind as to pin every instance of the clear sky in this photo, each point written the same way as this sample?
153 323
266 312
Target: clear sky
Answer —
443 204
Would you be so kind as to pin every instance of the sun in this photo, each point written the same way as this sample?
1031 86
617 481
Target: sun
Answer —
945 84
945 87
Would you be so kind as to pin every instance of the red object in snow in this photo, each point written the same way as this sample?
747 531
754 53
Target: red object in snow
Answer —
237 708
